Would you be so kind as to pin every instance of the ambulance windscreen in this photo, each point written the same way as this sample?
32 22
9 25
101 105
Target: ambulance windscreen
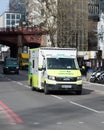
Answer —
62 63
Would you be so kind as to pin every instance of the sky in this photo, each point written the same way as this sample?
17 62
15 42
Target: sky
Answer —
4 6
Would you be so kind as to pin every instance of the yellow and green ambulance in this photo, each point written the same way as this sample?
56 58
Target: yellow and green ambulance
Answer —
54 69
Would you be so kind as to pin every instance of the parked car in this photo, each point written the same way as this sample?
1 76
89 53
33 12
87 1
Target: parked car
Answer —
11 65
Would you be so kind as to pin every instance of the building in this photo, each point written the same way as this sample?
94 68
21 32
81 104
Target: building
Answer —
9 19
15 16
100 28
94 9
93 18
101 5
74 24
100 31
18 6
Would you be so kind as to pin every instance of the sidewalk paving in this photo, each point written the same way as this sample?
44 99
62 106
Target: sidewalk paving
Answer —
97 87
84 78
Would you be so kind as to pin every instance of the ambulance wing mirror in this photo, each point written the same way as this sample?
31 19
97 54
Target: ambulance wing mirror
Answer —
43 68
40 68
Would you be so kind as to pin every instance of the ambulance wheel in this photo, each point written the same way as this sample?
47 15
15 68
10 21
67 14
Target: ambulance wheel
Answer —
79 92
33 89
46 91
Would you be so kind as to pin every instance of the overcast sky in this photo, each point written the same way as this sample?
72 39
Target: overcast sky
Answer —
4 6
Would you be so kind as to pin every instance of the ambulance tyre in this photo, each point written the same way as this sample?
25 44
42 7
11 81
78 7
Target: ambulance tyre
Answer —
33 89
46 91
79 92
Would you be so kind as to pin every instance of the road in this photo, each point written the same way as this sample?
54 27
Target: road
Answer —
23 109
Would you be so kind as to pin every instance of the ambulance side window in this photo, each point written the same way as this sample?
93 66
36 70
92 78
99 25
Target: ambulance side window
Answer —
44 64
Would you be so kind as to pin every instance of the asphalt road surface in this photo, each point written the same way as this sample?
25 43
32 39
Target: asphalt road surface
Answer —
24 109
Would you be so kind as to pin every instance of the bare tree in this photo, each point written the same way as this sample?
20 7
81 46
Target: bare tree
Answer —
50 17
61 18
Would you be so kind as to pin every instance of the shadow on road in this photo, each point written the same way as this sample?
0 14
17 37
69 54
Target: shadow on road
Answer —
84 92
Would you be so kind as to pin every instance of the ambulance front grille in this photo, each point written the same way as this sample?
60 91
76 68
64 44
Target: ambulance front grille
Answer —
66 79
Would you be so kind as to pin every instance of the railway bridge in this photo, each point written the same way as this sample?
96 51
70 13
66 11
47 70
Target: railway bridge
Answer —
17 38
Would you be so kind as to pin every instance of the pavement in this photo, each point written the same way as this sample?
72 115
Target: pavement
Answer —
96 87
84 78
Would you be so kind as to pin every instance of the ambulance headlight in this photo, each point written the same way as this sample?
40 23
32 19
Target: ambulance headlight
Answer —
51 77
79 78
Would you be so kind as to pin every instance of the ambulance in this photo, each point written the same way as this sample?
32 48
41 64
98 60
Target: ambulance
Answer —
54 69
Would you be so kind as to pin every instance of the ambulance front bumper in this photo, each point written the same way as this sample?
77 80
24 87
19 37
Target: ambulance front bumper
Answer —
72 87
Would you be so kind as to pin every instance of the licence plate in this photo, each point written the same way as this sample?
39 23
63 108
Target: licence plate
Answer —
66 86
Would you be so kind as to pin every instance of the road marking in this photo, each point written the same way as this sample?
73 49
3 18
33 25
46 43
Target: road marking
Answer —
10 113
19 83
36 123
81 122
88 108
59 123
13 81
7 114
27 86
82 106
57 97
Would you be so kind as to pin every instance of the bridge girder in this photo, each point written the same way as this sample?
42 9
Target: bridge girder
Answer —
17 39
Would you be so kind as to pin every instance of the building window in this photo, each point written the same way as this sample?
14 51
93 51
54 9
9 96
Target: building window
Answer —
13 16
7 26
7 16
18 16
7 22
13 22
17 21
